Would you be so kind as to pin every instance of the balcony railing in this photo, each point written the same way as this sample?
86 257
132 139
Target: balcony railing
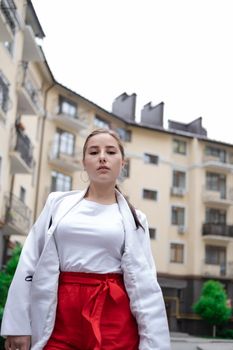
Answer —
17 216
217 163
220 270
21 153
4 96
68 161
8 20
30 97
216 197
217 230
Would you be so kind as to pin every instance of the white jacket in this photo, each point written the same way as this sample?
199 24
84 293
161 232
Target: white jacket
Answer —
31 304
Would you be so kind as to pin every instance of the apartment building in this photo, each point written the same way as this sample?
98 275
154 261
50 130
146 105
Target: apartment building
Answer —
179 177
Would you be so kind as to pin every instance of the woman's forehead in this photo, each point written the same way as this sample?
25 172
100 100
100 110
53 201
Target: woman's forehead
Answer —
102 140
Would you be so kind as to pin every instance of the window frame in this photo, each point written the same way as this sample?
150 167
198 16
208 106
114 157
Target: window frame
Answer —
146 190
150 158
176 259
177 146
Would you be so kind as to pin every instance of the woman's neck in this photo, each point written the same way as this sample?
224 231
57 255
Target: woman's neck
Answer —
101 193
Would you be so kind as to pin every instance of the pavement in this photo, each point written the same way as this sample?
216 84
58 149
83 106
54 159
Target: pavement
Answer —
183 341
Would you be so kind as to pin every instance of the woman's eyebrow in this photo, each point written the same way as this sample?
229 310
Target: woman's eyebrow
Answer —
110 146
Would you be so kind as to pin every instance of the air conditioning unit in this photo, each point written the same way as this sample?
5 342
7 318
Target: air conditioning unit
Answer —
177 191
181 229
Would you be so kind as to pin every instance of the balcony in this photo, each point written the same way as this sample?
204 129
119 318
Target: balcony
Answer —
221 270
216 164
31 50
66 162
217 198
69 122
30 99
8 20
21 154
177 191
217 231
5 102
16 216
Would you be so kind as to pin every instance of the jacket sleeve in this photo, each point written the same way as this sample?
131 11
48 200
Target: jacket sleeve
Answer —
16 317
146 299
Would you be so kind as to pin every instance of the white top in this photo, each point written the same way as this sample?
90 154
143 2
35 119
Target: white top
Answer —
90 238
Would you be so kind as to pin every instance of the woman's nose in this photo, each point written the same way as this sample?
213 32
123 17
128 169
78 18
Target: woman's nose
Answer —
102 156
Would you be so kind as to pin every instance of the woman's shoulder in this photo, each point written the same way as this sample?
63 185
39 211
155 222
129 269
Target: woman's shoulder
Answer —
56 195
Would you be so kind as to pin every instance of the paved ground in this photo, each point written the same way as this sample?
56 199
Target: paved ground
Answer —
186 342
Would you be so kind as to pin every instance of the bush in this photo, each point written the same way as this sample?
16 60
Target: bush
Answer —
225 333
5 280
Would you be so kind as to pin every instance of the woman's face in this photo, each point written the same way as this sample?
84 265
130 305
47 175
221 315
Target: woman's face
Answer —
103 159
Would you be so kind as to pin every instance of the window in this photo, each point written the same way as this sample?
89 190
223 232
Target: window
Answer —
216 152
178 179
215 182
152 232
125 135
215 216
67 107
60 182
150 158
9 11
179 146
215 255
101 123
126 170
178 215
176 253
64 143
22 194
4 93
150 194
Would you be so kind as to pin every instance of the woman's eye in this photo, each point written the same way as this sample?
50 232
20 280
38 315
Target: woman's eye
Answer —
93 152
111 152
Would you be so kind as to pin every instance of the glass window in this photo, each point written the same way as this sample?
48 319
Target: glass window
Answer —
215 216
178 179
215 182
8 9
4 93
150 158
177 253
64 143
67 107
101 123
178 215
61 182
22 194
216 152
152 232
125 135
179 146
215 255
126 170
150 194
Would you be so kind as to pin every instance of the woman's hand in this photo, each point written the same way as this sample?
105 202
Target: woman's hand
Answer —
20 342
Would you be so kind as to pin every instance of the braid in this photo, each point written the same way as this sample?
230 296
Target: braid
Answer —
133 211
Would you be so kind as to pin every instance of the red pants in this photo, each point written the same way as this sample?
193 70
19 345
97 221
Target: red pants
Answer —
93 313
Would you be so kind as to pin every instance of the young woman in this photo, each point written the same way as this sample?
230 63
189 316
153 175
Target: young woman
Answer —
86 278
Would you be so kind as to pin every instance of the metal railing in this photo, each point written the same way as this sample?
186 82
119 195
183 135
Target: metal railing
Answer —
27 81
8 9
24 147
17 213
217 230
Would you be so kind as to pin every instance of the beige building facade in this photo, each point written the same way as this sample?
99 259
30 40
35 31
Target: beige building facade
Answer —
180 178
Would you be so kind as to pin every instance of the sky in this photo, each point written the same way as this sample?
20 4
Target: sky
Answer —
176 51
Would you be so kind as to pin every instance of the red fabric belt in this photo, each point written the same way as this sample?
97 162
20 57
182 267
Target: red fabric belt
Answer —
110 283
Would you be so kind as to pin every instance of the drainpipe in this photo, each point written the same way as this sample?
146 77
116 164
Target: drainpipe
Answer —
41 150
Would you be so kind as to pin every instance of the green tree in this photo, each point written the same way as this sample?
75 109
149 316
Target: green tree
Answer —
6 276
212 304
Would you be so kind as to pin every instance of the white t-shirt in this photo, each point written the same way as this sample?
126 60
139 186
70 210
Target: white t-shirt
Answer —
90 238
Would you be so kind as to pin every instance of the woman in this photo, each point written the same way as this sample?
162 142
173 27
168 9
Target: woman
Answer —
86 278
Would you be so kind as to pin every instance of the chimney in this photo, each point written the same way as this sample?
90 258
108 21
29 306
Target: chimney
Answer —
152 115
194 127
124 106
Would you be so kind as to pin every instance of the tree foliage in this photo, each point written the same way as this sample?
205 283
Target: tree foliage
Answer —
6 276
212 304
